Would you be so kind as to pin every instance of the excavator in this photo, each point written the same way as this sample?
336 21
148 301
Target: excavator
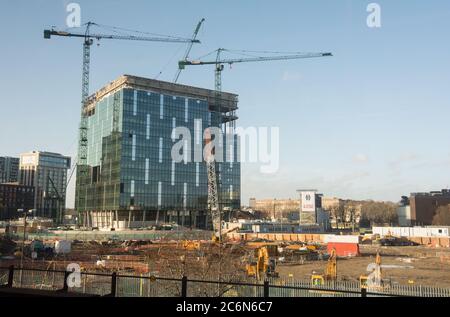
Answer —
190 245
330 273
264 265
374 280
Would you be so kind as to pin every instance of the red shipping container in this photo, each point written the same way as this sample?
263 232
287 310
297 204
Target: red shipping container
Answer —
343 249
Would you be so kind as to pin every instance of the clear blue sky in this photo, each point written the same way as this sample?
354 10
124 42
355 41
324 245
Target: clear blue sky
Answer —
369 123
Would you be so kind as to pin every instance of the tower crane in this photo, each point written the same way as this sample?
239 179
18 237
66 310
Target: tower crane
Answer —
188 49
213 199
88 41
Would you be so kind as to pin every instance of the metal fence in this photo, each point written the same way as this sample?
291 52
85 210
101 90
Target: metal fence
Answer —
123 285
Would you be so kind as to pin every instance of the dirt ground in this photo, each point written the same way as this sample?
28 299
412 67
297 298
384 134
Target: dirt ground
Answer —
418 264
421 265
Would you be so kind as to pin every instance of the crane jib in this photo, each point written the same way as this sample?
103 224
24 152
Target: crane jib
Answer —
49 33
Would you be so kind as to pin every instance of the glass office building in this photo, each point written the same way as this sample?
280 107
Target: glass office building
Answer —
9 169
47 173
131 178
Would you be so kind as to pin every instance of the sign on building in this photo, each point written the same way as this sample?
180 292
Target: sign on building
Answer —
308 201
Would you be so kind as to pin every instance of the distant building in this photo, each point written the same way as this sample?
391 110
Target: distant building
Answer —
424 205
404 216
290 209
275 208
331 203
13 197
278 227
404 212
47 173
9 169
342 210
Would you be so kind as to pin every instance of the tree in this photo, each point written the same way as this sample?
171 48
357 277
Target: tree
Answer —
442 216
373 212
340 214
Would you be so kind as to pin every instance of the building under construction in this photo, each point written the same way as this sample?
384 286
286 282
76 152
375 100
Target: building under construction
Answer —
131 178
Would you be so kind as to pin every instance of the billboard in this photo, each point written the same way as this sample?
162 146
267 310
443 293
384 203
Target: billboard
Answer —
309 201
28 159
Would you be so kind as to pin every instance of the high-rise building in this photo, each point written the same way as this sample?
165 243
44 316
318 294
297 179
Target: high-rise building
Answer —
131 177
47 173
9 169
14 197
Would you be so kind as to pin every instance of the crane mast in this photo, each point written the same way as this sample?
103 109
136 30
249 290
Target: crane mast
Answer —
213 185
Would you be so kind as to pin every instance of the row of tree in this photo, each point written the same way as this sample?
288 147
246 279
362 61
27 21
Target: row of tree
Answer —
378 213
442 216
364 213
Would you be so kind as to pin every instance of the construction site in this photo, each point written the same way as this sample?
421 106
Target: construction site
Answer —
158 205
400 269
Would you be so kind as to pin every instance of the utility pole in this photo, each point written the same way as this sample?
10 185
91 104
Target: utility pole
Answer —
25 213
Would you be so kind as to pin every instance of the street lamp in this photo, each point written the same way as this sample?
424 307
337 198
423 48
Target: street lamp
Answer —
25 214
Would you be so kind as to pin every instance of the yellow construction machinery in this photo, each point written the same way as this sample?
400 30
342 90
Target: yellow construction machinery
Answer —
330 273
191 245
374 279
264 266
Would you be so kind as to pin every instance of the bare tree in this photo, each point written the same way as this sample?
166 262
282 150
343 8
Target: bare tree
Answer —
442 216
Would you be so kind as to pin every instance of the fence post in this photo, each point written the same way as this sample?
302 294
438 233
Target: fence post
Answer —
184 286
65 285
266 288
113 284
11 276
363 292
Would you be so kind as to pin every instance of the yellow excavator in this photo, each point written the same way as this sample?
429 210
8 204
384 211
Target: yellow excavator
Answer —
374 279
263 267
191 245
330 273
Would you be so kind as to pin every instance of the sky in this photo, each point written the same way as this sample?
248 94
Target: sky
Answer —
371 122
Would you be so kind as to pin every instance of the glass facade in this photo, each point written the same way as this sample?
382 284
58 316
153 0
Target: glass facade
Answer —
47 173
9 169
130 166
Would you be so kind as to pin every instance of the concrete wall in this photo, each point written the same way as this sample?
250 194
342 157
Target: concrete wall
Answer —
412 231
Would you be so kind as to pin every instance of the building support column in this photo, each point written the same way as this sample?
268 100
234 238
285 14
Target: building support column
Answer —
157 216
117 219
129 219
